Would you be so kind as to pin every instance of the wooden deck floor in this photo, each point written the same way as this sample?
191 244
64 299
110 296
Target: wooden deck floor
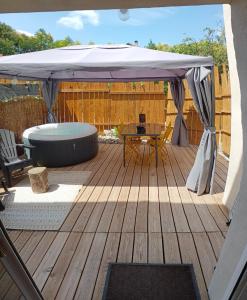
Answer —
132 214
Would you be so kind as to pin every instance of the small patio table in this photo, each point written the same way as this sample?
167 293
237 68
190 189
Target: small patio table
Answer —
4 185
151 130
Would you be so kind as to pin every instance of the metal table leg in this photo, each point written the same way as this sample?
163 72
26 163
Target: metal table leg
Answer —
124 138
156 151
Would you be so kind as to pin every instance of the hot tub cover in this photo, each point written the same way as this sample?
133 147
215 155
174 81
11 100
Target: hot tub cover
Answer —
59 131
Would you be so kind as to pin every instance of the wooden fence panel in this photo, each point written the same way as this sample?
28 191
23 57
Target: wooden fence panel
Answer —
108 104
21 114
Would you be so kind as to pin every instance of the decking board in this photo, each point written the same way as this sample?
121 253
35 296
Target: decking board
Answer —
135 213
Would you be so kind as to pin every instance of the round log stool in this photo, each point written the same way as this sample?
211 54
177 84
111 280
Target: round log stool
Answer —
39 179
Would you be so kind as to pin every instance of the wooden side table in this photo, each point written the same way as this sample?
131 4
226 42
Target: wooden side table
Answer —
4 185
39 179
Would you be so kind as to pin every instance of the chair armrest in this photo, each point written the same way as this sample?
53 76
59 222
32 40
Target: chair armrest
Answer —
25 146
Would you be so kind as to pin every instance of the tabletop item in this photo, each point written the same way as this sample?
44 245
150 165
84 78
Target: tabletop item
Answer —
140 129
142 118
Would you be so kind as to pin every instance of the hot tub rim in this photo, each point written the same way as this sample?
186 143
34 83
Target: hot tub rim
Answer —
30 135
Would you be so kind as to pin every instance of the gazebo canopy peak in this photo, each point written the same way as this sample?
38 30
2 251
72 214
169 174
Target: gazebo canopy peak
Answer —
116 62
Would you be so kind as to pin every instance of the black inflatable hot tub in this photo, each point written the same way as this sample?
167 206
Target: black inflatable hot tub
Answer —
62 144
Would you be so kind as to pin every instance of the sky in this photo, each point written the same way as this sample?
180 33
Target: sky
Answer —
165 25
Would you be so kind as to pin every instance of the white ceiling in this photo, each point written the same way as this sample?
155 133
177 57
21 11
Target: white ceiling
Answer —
65 5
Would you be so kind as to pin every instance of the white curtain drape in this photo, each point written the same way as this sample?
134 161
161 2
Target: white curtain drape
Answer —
180 131
49 90
200 179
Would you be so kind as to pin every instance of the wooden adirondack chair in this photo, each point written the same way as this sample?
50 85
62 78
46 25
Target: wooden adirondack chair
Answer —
9 160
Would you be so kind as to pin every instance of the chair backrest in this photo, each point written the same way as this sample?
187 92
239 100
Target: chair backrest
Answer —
120 130
8 145
167 132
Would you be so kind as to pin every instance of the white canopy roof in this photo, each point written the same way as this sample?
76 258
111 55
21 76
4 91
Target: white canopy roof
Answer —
100 63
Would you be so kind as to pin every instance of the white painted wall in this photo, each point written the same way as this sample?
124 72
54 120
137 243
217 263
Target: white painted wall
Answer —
235 163
236 241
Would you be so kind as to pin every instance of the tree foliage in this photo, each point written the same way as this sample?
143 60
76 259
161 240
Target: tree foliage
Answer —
13 42
213 44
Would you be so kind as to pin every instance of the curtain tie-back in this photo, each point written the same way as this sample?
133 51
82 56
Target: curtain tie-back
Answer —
211 129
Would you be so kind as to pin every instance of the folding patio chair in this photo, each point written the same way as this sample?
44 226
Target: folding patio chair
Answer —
161 142
132 144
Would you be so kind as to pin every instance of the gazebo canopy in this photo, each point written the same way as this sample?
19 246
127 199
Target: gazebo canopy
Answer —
100 63
130 63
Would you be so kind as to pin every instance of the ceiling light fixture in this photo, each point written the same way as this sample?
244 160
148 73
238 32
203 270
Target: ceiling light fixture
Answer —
123 14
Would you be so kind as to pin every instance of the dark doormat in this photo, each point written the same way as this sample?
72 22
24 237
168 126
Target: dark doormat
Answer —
150 282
